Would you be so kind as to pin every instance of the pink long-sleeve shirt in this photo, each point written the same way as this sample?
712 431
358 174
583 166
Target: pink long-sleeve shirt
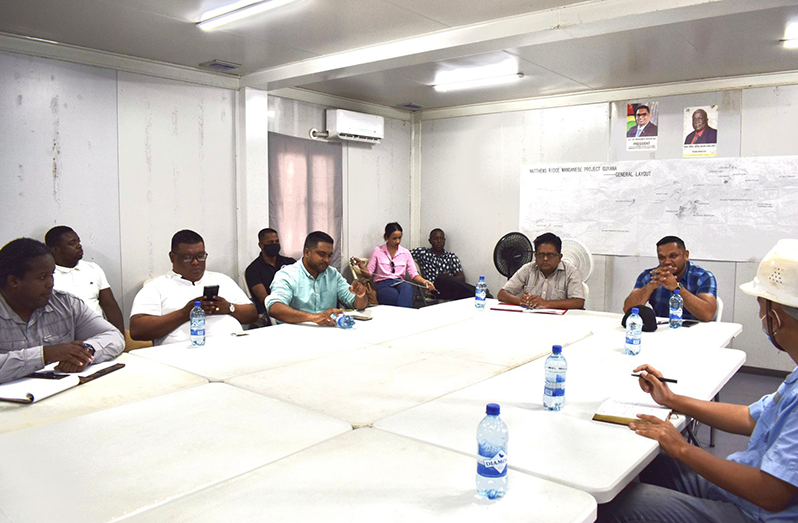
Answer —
380 264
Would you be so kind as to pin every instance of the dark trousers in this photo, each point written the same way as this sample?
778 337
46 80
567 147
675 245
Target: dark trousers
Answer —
401 295
450 288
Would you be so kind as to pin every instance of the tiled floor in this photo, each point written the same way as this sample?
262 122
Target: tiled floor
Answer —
742 389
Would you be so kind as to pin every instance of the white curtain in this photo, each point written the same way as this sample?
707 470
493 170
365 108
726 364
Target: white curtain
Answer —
305 191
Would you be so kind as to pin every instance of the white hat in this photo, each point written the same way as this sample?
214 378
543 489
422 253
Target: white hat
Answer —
777 276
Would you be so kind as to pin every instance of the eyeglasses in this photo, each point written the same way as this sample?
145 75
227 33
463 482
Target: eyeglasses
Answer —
547 255
393 267
187 258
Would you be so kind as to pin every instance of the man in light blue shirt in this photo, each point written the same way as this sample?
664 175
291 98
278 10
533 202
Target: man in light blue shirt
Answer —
310 289
759 484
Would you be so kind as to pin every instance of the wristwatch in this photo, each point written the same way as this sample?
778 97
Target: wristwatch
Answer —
679 285
232 308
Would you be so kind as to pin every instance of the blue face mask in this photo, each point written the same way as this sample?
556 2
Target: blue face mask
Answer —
765 332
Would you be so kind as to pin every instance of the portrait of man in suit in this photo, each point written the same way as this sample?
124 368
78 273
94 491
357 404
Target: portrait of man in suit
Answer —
645 127
702 132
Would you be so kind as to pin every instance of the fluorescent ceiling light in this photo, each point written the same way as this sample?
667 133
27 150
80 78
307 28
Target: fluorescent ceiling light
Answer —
790 40
479 82
237 11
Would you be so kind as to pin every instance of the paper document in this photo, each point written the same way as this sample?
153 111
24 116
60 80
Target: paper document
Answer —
623 412
51 382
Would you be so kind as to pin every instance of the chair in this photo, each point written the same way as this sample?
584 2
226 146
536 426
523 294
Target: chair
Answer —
586 290
719 311
131 344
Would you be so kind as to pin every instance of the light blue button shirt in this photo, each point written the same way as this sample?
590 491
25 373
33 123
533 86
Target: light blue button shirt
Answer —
294 286
773 447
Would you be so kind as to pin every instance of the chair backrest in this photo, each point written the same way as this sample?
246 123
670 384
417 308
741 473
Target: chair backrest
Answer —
586 290
719 311
131 344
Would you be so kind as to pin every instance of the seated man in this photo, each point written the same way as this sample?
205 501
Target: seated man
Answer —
697 286
442 268
84 279
161 308
261 271
757 484
310 289
547 282
39 325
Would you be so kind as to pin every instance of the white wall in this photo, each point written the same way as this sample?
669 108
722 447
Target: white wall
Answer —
58 155
176 171
376 177
124 159
470 169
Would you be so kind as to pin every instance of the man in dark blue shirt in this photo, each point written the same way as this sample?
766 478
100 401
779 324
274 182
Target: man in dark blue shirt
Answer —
698 286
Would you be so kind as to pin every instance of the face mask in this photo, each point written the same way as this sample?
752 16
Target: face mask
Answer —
765 332
769 337
272 249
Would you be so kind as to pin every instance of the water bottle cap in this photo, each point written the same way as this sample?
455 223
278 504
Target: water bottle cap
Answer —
197 303
677 291
492 409
556 349
481 278
635 310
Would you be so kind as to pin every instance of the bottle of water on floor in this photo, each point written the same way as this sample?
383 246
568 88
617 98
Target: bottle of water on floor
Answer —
196 320
634 330
676 306
344 321
554 390
492 437
482 291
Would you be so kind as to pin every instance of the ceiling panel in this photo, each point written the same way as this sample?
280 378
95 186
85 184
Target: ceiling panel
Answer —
644 56
464 12
101 25
414 85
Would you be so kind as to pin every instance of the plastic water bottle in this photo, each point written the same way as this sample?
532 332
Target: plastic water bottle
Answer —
492 437
634 328
344 321
482 291
676 304
197 325
554 369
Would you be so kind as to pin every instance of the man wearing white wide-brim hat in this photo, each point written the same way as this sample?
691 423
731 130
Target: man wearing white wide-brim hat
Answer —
757 484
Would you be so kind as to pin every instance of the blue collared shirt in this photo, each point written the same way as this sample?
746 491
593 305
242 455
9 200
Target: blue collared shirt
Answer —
773 448
695 279
294 286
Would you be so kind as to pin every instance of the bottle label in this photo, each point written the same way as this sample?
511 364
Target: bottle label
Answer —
493 467
197 332
554 391
630 340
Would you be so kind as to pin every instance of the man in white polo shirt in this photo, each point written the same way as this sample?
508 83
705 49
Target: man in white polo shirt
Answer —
81 278
161 308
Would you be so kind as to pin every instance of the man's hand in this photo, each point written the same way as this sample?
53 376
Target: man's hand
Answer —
663 277
650 384
217 305
325 317
70 353
358 289
664 432
536 302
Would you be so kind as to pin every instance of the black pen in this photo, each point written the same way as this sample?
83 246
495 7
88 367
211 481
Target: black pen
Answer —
663 380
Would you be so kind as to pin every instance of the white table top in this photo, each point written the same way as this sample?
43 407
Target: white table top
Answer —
367 384
140 379
113 463
567 446
370 475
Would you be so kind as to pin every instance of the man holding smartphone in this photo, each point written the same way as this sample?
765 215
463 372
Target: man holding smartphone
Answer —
161 309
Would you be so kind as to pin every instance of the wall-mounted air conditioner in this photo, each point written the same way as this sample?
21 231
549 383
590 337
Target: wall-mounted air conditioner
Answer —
358 127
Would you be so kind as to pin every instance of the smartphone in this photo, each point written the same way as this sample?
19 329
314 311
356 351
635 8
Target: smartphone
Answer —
210 291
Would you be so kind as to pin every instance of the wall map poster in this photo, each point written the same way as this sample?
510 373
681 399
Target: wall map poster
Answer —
731 209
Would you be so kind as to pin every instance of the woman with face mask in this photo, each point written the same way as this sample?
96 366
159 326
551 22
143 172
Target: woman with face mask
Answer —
757 484
388 265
